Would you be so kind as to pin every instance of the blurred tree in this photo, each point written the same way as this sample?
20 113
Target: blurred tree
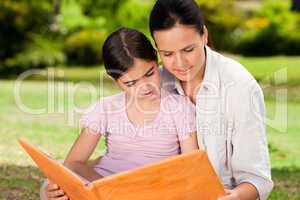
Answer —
296 5
84 30
222 19
105 9
17 19
25 38
128 15
274 29
86 24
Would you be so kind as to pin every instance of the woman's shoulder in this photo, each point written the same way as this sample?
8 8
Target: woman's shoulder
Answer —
230 70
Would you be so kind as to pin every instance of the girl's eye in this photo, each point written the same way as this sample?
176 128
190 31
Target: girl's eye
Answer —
150 74
130 84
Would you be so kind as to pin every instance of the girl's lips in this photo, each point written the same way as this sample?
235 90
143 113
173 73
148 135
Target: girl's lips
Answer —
148 93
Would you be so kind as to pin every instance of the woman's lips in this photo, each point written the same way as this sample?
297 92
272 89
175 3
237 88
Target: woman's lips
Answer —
183 71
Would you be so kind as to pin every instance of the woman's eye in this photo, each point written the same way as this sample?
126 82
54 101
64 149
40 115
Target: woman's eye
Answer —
150 74
167 54
189 50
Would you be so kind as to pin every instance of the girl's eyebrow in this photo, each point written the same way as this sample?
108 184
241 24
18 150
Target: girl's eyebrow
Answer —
132 81
188 46
151 69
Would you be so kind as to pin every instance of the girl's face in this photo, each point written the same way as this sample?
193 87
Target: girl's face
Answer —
142 80
181 50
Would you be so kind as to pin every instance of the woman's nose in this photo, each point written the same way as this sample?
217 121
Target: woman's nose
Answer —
179 61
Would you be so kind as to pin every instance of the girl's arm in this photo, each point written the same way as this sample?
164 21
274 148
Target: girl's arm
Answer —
82 149
190 144
77 160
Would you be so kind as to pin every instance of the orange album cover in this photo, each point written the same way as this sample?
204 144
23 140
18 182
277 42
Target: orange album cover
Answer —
183 177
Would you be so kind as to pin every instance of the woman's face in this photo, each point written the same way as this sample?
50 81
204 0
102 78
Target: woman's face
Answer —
142 80
181 50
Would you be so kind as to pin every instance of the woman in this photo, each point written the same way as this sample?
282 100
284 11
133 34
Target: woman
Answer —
229 102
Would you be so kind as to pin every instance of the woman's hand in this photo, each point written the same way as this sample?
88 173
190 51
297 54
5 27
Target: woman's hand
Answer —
244 191
53 192
230 195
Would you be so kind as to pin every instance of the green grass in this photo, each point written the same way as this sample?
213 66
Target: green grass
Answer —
52 133
285 151
72 73
55 130
19 182
265 68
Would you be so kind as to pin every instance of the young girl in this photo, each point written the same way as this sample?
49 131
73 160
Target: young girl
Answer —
143 124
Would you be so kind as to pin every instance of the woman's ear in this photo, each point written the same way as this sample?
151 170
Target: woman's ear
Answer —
205 35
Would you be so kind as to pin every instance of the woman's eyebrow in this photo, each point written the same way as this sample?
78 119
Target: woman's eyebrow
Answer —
188 46
151 69
163 50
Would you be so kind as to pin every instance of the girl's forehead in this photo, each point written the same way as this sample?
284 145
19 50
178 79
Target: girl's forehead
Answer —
139 68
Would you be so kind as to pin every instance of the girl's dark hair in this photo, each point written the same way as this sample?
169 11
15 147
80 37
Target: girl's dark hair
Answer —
120 49
166 13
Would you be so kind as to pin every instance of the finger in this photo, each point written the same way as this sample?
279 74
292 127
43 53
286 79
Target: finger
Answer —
228 197
50 183
228 191
60 198
52 186
63 198
55 194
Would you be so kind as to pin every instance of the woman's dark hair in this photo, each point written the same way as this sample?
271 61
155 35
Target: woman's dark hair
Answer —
166 13
120 49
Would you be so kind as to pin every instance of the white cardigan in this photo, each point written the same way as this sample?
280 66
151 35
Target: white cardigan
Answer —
231 122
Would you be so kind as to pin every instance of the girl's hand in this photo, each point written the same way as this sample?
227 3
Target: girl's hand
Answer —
231 195
189 144
53 192
92 163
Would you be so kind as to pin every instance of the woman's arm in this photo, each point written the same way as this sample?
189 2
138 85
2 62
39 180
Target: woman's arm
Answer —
190 144
82 149
250 162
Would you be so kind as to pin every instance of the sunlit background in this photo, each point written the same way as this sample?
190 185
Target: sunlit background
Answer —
53 48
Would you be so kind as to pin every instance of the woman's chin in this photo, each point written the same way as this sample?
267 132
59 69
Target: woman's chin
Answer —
184 77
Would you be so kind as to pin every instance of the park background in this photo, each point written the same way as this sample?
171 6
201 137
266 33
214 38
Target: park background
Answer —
57 43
